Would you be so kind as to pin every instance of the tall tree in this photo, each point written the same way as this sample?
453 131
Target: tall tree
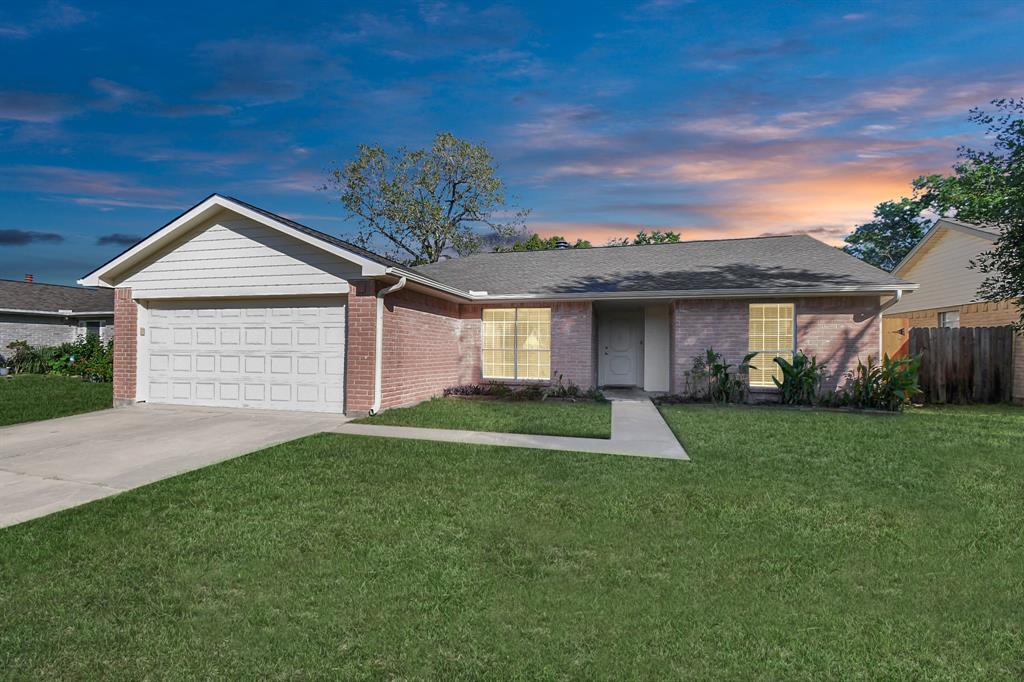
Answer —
537 243
421 203
987 186
883 242
642 238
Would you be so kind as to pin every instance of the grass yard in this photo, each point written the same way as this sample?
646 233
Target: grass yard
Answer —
546 418
794 546
32 397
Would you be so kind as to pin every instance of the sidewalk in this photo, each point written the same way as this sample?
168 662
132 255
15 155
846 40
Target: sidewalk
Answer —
638 429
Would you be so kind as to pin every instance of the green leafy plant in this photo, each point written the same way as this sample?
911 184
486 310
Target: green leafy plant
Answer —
711 378
801 379
890 385
25 359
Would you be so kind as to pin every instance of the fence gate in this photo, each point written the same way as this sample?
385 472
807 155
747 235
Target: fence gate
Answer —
965 365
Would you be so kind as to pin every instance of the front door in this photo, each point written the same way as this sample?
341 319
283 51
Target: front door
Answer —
620 344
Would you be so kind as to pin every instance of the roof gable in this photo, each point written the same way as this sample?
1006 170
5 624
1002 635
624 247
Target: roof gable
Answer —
986 234
110 273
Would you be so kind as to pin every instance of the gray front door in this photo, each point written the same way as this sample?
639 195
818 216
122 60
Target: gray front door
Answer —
620 344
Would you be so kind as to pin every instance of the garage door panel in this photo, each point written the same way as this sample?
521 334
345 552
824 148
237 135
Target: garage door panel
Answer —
270 354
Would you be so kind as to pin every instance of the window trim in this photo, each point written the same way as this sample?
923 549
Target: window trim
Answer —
515 347
83 328
947 312
791 350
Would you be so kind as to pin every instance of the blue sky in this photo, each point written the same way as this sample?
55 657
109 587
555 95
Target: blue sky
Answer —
717 119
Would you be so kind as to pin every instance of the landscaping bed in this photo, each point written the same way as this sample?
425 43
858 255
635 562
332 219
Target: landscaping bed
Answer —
796 545
553 417
33 397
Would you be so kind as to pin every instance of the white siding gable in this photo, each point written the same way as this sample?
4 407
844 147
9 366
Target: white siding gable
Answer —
235 256
941 268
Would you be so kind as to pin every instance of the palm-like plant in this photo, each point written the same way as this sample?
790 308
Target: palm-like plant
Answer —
801 379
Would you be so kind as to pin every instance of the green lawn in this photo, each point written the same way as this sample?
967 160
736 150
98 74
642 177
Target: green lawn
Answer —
31 397
794 546
547 418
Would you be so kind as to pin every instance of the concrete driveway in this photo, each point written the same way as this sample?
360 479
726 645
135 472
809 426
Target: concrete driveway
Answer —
59 463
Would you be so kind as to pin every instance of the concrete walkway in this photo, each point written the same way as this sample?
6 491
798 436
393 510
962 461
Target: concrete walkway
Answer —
55 464
638 429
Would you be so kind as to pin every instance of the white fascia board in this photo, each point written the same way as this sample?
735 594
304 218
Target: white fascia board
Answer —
862 290
199 212
53 313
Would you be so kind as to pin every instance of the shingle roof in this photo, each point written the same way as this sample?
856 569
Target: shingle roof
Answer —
52 298
720 265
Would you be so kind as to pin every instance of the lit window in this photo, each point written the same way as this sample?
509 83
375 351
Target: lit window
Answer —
949 318
771 335
517 343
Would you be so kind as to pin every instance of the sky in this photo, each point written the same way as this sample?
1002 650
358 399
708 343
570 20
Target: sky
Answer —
715 119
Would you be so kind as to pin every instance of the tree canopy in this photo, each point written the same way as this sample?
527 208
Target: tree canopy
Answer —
883 242
537 243
642 238
987 186
421 203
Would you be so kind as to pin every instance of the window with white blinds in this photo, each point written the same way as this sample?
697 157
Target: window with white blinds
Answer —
771 335
517 343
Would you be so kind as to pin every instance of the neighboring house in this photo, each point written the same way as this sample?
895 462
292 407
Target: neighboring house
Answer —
231 305
948 293
49 314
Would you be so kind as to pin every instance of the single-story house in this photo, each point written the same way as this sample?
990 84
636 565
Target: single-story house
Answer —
51 314
948 293
231 305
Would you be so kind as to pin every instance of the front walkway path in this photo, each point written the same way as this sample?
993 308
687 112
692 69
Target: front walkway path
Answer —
638 429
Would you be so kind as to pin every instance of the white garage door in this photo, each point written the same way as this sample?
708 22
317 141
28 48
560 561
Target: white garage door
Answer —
283 354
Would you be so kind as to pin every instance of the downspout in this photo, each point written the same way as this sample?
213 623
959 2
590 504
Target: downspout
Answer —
895 299
885 306
378 360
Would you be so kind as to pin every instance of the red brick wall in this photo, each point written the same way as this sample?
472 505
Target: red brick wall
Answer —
697 325
360 348
422 347
125 343
572 342
431 343
470 341
837 330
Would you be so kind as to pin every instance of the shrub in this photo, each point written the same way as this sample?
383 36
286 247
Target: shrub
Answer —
801 379
560 390
87 357
25 359
888 386
711 378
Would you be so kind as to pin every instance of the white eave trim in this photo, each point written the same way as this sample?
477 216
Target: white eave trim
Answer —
189 219
52 313
857 290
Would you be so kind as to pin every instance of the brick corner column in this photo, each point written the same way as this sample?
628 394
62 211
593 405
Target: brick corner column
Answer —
125 344
360 347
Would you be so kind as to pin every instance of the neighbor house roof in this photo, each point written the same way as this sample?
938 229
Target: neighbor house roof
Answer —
53 299
790 264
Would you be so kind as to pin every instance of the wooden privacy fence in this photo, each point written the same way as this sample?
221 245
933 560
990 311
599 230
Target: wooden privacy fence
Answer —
965 365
